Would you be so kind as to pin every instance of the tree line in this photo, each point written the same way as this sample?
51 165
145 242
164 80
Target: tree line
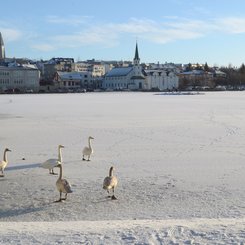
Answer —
234 77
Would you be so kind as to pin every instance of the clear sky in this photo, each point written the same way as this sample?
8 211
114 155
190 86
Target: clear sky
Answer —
179 31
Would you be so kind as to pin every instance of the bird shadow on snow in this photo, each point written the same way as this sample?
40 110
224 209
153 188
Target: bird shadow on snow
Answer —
104 199
21 211
25 166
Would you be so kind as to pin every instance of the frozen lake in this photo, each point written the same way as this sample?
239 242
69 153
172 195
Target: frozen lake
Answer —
177 157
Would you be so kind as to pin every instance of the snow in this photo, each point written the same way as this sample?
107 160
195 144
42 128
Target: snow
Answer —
179 162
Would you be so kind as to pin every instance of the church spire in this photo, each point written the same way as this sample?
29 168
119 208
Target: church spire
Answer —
136 56
2 49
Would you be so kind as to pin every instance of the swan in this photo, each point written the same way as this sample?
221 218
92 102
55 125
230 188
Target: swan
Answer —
63 186
110 182
4 162
51 163
88 150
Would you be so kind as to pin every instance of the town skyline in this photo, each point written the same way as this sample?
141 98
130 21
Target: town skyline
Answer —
169 31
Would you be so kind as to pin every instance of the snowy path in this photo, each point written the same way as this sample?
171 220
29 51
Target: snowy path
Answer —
193 231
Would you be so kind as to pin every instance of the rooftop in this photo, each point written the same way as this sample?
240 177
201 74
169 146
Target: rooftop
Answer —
119 72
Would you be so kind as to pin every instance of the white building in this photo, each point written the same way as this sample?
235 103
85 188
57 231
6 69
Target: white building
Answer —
19 78
161 80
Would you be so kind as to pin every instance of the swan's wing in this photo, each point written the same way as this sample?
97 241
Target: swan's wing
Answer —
109 182
86 150
114 181
50 163
67 186
106 182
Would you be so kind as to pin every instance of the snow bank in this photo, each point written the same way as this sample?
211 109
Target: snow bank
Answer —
194 231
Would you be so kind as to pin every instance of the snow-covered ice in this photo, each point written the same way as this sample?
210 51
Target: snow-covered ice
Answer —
179 162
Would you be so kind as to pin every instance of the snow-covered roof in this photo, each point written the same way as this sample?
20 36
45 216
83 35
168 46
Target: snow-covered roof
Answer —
30 66
193 72
18 67
72 75
118 72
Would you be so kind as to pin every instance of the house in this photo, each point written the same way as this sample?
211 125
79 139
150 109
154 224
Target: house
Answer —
72 81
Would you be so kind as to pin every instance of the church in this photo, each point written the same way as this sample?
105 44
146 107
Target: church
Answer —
134 77
130 77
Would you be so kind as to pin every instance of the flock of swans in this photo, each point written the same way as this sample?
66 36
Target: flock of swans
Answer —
62 185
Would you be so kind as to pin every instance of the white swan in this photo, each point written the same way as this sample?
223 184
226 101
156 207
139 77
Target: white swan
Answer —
51 163
110 182
63 186
88 150
4 162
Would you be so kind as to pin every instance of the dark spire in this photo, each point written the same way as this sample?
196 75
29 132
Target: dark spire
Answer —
136 56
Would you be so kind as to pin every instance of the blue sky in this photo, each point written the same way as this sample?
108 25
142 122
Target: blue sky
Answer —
178 31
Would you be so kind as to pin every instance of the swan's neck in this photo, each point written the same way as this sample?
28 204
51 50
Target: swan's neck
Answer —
61 172
110 172
5 156
59 155
89 144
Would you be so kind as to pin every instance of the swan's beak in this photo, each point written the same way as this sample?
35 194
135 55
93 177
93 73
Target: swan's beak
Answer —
8 150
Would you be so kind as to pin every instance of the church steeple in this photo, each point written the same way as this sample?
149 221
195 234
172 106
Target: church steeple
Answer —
136 56
2 49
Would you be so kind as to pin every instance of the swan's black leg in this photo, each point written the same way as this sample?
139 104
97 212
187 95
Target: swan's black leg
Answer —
60 198
64 197
108 194
51 171
113 196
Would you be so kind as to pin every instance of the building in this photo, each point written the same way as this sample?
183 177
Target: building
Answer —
196 79
130 77
160 79
16 78
2 48
54 65
72 81
96 68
